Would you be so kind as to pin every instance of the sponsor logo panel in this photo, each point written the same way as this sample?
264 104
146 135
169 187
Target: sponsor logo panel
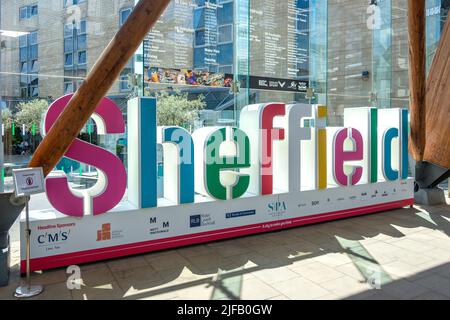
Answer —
240 214
158 226
201 220
277 208
106 233
52 237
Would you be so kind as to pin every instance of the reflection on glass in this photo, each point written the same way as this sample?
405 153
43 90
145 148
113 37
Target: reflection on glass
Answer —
380 95
437 14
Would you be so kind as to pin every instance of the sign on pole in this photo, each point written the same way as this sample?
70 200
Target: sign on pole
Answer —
28 181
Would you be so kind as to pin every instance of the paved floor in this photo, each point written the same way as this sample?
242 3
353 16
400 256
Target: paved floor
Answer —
400 254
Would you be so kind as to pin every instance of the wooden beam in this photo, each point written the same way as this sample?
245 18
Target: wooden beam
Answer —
417 76
102 76
437 150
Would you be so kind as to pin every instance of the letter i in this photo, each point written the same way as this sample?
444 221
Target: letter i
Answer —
321 129
142 157
373 145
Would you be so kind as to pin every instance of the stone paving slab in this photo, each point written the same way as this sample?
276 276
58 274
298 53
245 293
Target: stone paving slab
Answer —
399 254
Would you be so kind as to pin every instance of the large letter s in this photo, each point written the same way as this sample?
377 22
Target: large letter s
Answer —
112 182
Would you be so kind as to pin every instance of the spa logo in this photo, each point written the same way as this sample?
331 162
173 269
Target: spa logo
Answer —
276 208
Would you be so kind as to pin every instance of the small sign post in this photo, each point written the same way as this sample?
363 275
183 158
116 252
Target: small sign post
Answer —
28 182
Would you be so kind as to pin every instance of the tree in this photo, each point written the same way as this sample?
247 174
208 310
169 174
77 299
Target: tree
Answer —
6 117
31 113
177 109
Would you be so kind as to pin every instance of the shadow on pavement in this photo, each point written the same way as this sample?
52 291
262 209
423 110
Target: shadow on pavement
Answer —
218 269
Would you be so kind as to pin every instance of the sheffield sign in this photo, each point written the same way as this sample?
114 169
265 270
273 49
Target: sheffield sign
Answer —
282 167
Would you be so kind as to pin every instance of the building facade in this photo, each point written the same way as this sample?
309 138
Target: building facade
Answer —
62 41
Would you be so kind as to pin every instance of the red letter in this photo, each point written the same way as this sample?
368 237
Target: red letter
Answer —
269 134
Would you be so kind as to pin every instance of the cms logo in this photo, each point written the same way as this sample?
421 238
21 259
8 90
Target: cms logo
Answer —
49 238
278 206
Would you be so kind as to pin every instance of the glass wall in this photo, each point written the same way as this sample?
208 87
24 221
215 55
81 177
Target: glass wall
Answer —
233 53
204 61
437 13
381 27
47 49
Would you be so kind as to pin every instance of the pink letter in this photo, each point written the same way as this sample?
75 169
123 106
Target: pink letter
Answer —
341 156
112 175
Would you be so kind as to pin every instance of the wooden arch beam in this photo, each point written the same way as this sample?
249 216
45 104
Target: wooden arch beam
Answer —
417 76
437 150
101 78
